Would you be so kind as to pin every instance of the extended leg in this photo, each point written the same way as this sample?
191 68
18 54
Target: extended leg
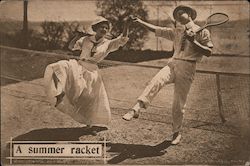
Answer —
163 77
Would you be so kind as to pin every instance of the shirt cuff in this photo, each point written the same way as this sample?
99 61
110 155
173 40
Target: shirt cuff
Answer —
202 46
210 44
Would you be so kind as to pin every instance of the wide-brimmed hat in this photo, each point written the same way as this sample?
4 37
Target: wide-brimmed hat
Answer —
187 9
98 21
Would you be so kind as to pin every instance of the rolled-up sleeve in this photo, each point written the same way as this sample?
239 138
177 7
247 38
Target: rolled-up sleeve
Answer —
205 39
165 32
114 44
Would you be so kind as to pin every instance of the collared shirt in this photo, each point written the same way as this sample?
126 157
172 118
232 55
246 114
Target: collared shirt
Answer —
96 51
190 51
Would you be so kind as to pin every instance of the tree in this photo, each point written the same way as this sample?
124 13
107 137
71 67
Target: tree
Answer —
117 11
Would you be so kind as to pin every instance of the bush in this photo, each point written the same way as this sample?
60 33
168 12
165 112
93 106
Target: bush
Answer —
57 35
36 42
54 34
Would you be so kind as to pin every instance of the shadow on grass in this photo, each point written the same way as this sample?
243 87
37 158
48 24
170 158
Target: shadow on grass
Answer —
132 151
57 134
126 151
51 134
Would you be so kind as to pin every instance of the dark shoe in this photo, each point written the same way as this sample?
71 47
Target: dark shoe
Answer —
130 115
91 130
59 99
176 138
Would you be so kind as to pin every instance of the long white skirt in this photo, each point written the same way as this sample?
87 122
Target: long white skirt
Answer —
85 98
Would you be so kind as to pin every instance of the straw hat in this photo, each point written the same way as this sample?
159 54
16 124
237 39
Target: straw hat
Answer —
187 9
98 21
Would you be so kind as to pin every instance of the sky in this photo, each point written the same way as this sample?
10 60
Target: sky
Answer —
85 10
40 10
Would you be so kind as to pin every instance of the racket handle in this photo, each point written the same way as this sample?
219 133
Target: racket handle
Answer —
200 29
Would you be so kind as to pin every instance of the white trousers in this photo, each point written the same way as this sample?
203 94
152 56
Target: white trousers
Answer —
179 72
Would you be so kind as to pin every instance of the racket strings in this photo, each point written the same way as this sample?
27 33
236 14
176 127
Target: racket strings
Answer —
217 19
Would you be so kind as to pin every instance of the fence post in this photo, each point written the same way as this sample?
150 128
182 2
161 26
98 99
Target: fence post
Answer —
25 24
218 90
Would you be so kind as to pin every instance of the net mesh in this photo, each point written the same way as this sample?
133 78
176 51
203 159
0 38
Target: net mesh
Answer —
126 81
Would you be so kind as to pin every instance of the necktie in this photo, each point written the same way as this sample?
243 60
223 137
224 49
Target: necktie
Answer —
184 37
93 49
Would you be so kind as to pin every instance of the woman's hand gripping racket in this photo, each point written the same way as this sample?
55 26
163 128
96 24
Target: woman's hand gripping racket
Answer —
214 20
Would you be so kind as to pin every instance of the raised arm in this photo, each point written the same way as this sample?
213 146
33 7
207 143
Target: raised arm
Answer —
164 32
73 41
149 26
121 40
126 27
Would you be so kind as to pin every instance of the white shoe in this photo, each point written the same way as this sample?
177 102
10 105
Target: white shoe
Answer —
176 138
130 115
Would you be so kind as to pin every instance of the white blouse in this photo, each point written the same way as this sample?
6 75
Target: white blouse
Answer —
97 50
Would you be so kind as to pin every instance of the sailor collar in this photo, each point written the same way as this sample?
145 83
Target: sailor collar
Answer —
93 39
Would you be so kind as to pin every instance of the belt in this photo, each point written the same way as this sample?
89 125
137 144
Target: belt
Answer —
89 65
187 60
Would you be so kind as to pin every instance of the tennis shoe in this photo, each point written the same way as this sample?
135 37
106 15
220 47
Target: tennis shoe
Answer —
176 138
130 115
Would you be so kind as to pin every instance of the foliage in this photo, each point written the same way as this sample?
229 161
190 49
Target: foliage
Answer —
54 34
36 41
117 11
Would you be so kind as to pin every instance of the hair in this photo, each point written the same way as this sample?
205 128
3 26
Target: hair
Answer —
185 11
94 27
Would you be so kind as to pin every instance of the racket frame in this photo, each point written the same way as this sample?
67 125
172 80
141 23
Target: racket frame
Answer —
213 24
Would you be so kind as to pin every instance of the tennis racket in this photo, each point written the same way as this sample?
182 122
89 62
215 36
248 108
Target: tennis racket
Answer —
214 20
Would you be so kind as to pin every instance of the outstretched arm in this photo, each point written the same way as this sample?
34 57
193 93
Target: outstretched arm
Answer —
121 40
149 26
164 32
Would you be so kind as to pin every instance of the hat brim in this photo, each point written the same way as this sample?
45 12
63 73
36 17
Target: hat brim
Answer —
93 26
187 9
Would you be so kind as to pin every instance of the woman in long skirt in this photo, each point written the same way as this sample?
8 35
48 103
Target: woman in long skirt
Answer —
76 87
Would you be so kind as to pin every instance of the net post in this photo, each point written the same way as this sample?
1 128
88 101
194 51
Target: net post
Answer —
218 90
